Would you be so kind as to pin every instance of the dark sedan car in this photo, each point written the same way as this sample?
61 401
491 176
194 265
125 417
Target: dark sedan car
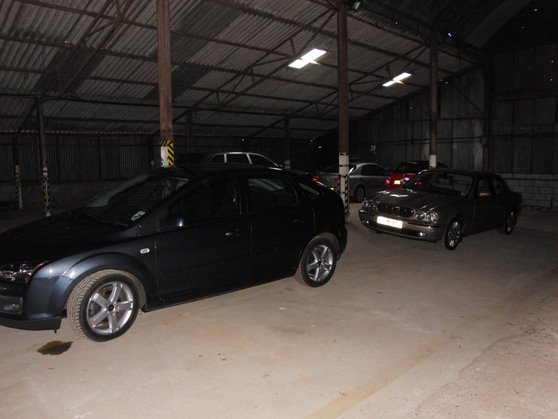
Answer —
167 236
443 205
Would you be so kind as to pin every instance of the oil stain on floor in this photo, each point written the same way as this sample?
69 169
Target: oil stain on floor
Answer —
54 347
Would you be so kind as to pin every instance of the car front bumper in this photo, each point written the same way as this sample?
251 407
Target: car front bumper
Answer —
20 322
14 308
408 229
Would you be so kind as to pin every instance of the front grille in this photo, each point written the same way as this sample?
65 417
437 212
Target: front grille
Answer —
395 210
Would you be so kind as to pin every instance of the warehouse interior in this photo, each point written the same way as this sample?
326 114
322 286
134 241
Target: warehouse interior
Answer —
84 76
404 329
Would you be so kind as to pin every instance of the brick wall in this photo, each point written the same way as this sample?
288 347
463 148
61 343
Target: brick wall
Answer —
538 191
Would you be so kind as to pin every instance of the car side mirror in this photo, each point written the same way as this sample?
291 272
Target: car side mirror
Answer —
172 221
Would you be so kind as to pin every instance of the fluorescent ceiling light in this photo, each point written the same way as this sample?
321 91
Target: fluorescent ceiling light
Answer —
397 79
298 63
308 58
402 76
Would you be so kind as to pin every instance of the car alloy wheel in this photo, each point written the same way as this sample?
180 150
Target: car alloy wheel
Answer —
453 234
318 261
104 305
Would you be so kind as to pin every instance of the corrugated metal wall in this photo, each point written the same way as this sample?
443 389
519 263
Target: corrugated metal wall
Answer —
402 131
74 158
522 136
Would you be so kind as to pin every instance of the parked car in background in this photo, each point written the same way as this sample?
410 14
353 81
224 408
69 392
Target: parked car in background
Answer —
171 235
364 178
443 205
405 171
226 157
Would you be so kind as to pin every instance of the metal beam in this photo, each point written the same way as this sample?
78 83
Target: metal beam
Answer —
343 93
433 100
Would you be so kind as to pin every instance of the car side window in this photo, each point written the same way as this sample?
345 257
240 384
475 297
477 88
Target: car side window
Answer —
237 158
270 193
498 185
211 199
483 188
310 191
219 158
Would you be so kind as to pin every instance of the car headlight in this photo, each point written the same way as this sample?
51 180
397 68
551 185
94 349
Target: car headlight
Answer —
20 272
370 205
428 217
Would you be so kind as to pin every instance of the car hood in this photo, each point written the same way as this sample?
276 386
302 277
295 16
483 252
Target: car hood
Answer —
418 200
54 237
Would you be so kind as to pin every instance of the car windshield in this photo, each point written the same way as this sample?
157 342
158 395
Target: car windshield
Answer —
445 183
130 201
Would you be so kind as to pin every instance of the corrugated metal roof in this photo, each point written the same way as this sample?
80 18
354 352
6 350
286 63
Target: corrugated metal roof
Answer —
226 54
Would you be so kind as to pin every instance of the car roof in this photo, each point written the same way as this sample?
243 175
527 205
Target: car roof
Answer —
476 173
197 170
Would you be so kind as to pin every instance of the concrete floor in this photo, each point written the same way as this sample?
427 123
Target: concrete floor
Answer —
403 330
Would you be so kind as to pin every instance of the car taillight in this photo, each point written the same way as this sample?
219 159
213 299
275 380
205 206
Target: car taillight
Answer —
316 179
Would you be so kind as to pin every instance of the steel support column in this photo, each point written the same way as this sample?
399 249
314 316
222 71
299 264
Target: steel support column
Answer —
165 89
189 130
43 156
487 114
433 100
17 173
287 143
343 93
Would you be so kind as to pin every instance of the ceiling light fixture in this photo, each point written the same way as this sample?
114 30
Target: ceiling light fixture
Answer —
354 4
397 79
308 58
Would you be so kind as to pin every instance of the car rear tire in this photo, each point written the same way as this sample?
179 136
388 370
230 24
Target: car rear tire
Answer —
360 194
452 235
509 224
104 305
318 261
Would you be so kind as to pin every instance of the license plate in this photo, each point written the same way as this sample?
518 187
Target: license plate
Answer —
390 222
397 182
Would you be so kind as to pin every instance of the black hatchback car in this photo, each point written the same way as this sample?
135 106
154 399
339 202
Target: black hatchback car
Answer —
168 236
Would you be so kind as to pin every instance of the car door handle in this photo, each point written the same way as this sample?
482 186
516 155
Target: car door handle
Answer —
235 233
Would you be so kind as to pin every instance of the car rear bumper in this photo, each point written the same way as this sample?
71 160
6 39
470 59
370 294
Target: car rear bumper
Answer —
410 230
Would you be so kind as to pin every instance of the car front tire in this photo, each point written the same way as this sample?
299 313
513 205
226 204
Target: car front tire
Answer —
318 261
104 305
452 235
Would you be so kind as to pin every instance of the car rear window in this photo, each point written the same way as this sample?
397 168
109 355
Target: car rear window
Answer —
335 168
261 161
237 158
